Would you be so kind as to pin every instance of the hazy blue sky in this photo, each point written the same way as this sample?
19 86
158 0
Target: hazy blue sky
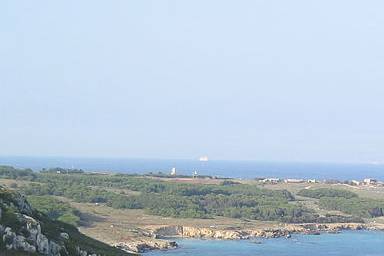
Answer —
263 80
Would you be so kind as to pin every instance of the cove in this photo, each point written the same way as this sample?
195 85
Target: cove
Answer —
357 243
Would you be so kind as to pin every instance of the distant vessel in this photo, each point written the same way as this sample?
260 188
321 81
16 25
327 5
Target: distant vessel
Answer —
173 171
203 159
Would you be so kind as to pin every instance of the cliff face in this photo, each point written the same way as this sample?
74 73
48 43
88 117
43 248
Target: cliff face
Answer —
212 233
233 234
27 231
29 238
20 231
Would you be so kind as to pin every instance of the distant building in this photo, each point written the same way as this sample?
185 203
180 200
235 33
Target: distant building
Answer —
293 180
173 172
195 174
312 181
355 182
271 180
369 181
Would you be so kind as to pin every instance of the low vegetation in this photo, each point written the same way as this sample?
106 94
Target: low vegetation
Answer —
326 192
362 207
10 172
346 201
169 199
173 200
55 209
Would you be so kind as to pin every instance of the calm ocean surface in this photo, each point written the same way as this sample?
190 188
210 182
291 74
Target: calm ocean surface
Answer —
358 243
237 169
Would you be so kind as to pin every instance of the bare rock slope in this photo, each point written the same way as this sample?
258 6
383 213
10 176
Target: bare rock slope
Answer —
26 231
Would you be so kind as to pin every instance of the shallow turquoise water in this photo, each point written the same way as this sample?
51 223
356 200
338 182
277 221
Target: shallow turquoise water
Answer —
361 243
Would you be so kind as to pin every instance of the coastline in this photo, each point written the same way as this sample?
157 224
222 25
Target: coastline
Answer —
137 230
160 237
344 243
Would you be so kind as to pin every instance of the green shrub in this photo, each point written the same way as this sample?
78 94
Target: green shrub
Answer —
55 209
326 192
362 207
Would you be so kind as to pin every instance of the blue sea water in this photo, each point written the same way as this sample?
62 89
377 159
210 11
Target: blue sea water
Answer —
357 243
236 169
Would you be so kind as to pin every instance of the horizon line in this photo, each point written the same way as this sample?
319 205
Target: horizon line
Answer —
373 162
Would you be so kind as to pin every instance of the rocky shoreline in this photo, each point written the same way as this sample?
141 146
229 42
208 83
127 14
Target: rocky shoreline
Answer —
158 237
241 234
146 244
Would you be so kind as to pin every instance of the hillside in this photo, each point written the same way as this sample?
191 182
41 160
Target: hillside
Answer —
25 231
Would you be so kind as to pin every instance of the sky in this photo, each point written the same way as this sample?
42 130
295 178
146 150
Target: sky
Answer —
276 80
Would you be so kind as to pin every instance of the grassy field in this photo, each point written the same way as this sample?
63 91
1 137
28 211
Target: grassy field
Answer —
111 225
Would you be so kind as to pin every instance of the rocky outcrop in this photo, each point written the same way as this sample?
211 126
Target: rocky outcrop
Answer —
168 231
25 234
213 233
333 227
144 245
29 238
16 242
234 234
35 242
84 253
24 229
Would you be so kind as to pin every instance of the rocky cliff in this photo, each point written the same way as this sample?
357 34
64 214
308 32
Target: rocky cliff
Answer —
28 232
234 234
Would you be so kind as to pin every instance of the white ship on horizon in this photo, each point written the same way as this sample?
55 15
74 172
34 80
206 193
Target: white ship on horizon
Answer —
203 159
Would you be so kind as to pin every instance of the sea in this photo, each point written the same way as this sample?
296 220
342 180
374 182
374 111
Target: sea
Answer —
231 169
356 243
